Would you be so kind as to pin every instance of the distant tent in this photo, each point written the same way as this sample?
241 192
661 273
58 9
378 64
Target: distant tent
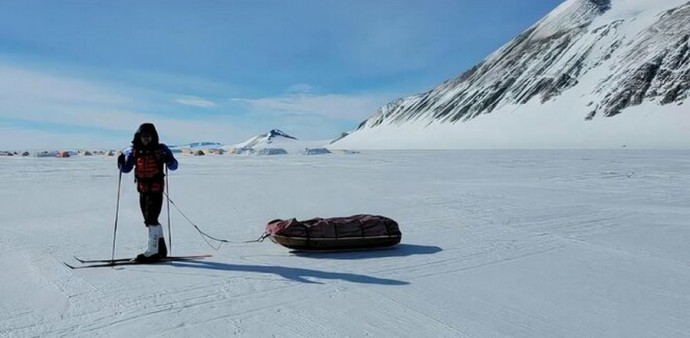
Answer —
316 151
344 151
199 153
26 153
63 153
213 151
245 151
46 153
272 151
110 153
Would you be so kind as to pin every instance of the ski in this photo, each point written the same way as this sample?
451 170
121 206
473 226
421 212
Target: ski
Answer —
88 261
109 263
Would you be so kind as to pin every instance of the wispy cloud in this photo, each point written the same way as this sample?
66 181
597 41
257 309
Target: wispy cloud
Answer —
195 101
38 107
31 95
300 88
23 85
14 138
336 106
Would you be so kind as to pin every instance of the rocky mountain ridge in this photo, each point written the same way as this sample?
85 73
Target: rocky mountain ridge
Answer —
616 58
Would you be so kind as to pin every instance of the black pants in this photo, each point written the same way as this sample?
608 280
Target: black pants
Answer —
151 204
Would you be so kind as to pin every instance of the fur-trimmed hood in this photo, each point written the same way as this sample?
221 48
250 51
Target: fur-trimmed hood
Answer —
145 128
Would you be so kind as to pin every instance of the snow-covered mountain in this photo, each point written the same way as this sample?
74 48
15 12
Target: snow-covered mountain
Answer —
594 59
277 142
264 140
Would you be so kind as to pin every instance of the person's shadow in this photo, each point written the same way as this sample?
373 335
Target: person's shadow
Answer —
306 275
295 274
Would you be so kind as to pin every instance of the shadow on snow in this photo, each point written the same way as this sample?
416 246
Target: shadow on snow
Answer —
295 274
302 275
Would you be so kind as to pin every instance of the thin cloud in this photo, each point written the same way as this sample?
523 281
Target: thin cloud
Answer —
30 95
195 101
348 107
18 139
33 99
300 88
23 85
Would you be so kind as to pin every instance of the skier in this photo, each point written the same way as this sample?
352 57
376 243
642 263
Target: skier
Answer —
148 156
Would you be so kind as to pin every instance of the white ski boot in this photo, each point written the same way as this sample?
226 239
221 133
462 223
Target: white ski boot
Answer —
156 245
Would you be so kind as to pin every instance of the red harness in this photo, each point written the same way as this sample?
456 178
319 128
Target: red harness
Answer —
149 169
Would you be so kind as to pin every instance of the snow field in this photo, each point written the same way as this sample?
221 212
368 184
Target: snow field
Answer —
518 243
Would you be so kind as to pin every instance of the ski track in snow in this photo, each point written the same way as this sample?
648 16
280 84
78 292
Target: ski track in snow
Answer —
495 243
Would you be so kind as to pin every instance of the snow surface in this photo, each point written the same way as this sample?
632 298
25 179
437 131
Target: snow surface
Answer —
541 243
536 126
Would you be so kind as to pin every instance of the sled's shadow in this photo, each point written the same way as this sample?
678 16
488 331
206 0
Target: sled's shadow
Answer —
295 274
400 250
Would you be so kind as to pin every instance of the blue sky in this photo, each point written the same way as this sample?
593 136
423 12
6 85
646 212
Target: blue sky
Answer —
86 73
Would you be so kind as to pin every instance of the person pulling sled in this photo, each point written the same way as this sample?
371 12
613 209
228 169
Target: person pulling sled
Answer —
147 157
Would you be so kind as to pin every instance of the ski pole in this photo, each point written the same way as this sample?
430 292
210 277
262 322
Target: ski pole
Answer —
117 212
167 195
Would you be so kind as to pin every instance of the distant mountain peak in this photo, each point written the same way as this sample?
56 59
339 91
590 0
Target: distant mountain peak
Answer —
604 5
275 135
569 18
277 132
